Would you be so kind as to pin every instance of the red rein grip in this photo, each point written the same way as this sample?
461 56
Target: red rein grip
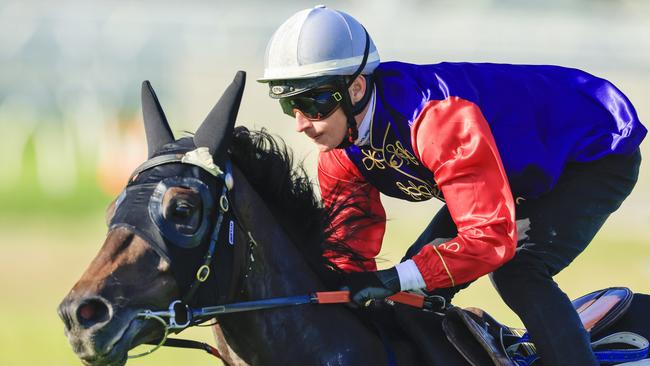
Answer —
339 297
332 297
408 298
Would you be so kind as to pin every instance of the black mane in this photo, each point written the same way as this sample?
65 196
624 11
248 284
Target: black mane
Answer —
269 166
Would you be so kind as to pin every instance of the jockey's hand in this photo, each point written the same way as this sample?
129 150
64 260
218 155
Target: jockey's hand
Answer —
367 286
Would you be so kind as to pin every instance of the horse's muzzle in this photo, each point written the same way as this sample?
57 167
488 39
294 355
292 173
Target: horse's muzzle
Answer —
96 334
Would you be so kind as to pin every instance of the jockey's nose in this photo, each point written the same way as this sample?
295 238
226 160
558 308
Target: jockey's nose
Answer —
84 313
302 123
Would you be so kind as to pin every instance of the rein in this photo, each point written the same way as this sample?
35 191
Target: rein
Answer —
179 315
192 317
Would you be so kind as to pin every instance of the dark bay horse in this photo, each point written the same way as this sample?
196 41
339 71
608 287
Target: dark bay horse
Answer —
221 218
267 238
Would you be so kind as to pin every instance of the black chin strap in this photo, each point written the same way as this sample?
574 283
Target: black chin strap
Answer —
351 111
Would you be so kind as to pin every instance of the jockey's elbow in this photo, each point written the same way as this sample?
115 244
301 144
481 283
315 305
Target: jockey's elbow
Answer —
500 241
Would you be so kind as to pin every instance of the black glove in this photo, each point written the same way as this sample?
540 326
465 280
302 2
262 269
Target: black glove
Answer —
366 286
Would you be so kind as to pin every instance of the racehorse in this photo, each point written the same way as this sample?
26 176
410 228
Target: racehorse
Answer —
153 250
219 221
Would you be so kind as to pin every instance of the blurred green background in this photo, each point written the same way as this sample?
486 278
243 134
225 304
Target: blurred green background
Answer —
71 131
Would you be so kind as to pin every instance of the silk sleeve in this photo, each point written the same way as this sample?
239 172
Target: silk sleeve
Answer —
454 141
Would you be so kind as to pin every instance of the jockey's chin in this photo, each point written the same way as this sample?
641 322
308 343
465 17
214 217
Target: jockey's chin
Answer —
326 133
324 147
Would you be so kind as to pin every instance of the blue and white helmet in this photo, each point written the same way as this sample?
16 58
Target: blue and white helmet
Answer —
318 42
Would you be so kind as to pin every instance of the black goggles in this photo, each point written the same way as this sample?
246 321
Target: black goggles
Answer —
314 104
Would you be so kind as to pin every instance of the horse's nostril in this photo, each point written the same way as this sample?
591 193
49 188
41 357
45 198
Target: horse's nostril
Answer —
91 312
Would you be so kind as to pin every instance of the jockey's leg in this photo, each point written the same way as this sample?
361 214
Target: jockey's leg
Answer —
561 224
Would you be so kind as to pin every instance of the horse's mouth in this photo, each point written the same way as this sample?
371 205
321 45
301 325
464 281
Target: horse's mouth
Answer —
135 333
113 358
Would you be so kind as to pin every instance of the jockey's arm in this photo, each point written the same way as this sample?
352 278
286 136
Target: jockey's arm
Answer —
454 141
361 224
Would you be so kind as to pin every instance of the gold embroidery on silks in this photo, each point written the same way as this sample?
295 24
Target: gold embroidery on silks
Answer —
399 154
416 192
372 159
396 156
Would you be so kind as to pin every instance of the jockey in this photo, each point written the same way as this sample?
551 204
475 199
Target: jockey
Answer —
529 160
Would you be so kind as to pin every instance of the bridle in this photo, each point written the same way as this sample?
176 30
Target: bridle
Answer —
179 315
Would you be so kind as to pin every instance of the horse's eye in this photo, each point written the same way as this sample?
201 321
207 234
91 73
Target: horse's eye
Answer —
182 209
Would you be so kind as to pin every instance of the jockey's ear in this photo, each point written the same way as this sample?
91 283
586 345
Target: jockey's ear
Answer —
357 89
155 122
215 132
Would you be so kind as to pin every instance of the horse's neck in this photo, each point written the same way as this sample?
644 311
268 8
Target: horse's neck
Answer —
303 334
273 266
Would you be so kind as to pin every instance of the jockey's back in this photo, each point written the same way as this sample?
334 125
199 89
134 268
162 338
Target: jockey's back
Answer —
542 117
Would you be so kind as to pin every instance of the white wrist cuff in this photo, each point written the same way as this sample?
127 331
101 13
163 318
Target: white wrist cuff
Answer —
410 277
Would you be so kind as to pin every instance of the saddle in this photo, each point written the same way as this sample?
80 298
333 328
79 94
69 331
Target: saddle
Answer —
482 340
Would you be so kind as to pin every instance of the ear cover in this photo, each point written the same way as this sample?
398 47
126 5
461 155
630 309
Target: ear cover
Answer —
155 122
216 131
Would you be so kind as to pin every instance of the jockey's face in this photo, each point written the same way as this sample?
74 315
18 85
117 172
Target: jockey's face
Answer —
326 133
329 132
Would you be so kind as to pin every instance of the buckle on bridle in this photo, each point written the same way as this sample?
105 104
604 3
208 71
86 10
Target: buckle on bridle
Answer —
173 315
223 203
203 273
168 318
